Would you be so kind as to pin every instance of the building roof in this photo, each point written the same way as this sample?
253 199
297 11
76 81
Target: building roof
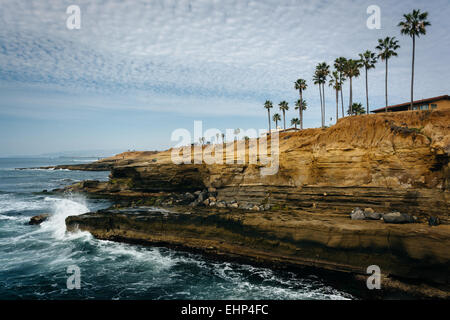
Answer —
402 105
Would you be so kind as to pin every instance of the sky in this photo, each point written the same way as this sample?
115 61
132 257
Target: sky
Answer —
137 70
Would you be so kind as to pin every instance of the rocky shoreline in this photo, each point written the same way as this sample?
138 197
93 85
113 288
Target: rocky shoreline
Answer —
394 167
288 239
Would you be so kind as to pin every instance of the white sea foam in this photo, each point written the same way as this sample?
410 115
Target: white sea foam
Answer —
16 218
61 209
9 202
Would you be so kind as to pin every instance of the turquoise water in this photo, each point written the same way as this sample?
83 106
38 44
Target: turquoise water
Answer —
34 259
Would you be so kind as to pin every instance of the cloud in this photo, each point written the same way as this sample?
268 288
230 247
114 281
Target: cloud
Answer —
186 56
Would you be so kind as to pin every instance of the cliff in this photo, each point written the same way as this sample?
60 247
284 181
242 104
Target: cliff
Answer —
299 216
396 161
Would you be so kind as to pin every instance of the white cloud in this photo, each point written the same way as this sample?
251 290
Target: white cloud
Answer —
183 56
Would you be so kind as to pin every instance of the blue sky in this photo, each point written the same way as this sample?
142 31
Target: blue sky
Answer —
137 70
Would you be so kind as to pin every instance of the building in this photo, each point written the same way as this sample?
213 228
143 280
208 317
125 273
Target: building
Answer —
424 104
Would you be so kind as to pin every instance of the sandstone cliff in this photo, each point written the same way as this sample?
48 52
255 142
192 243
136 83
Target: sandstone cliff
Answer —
396 161
388 162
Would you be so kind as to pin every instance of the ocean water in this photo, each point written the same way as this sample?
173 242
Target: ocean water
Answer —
34 259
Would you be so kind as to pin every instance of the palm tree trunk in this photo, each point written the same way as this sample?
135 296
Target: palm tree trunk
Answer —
367 92
268 113
412 75
337 105
301 110
323 89
342 101
386 86
321 104
284 120
351 98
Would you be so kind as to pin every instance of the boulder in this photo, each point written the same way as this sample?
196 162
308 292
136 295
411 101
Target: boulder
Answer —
194 203
38 219
370 214
189 196
221 204
434 221
397 217
201 197
357 214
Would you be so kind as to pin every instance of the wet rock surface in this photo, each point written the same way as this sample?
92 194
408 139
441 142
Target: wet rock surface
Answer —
38 219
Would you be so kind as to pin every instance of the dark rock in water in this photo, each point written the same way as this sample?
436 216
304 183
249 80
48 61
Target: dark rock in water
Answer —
434 221
44 191
397 217
38 219
357 214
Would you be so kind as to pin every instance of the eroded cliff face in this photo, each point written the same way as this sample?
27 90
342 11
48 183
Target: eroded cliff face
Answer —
288 239
388 162
395 161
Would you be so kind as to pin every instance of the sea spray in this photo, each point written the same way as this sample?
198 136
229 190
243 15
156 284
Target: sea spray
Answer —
61 209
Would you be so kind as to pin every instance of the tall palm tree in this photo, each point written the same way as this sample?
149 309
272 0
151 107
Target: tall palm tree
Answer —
284 107
339 65
268 105
295 122
320 78
276 117
337 86
387 48
414 25
301 85
368 60
324 72
352 71
317 80
300 104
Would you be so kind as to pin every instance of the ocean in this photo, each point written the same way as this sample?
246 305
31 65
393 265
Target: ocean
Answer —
34 260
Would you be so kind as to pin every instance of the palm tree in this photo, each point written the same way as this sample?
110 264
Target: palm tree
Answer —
268 105
300 104
317 80
324 72
276 117
352 71
337 86
356 109
295 122
301 85
413 26
320 78
339 65
387 48
368 60
284 107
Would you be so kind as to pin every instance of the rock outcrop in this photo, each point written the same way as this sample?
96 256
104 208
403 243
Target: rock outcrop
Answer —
390 162
286 238
38 219
395 165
